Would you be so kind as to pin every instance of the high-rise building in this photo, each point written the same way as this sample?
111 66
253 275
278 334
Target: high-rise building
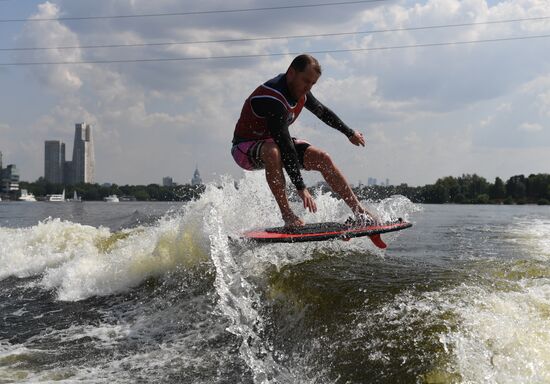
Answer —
9 179
81 168
167 181
54 161
68 174
83 163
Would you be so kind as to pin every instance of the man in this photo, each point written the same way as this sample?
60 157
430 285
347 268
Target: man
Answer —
262 141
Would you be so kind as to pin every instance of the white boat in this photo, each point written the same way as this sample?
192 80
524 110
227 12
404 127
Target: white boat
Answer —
56 198
111 199
26 196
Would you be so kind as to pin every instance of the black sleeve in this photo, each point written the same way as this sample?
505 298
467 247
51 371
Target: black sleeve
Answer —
276 118
326 115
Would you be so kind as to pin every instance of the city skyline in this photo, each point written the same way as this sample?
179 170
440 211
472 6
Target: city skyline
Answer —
80 169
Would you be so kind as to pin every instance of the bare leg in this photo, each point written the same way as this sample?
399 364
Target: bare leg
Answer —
315 159
271 156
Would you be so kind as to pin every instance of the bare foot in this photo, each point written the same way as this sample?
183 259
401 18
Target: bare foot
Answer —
363 211
293 221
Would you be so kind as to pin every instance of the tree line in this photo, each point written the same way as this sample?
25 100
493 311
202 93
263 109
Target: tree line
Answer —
470 189
466 189
96 192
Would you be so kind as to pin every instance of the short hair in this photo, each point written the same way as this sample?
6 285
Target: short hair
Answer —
301 62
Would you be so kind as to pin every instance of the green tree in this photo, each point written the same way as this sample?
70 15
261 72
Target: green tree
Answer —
154 192
451 186
537 186
516 188
482 199
498 190
473 185
141 195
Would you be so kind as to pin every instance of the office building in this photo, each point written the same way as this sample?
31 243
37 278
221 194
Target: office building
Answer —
167 181
81 168
54 161
83 162
9 178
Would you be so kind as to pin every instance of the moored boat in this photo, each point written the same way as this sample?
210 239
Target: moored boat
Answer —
56 197
111 199
26 196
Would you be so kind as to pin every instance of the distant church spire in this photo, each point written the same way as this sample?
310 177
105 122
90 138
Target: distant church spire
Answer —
196 180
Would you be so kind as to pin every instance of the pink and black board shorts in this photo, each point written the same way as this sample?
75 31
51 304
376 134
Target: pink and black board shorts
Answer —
247 154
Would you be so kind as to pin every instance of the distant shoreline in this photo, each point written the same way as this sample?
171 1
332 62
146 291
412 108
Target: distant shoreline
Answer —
466 189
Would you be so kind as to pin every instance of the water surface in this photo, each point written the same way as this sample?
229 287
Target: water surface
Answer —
156 292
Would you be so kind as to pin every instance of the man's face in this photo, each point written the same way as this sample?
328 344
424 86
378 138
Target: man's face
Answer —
300 83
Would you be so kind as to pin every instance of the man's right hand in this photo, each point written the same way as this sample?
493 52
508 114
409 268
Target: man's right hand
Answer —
306 197
357 139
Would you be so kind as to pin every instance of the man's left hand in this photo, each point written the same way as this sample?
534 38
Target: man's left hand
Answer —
357 139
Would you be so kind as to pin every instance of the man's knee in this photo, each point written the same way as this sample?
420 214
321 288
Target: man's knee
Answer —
317 159
271 154
324 158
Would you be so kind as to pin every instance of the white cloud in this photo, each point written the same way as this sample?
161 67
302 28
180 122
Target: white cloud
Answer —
61 78
504 107
530 127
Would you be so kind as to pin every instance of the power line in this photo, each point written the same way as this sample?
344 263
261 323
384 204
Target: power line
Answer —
275 37
276 54
191 12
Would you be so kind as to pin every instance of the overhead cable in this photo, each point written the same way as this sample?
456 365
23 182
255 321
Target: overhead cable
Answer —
190 13
336 34
167 59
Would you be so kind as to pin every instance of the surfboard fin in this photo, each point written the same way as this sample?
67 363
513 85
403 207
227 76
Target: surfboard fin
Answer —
377 240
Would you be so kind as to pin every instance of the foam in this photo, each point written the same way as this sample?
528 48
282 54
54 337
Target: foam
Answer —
146 252
504 333
30 251
80 261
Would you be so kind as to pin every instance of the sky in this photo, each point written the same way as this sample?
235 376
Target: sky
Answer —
431 102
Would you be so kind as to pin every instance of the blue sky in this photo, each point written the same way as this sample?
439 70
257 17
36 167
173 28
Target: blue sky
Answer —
427 112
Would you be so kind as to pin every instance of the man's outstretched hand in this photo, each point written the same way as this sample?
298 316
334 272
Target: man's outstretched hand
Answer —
306 197
357 139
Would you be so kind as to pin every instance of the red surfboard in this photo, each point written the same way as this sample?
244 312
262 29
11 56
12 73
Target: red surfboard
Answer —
325 231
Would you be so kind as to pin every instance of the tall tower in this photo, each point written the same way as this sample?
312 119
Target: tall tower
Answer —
196 180
54 161
83 162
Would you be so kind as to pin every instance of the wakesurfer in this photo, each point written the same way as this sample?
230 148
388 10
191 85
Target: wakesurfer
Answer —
262 140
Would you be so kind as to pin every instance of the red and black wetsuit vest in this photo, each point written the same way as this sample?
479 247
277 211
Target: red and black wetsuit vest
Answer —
250 126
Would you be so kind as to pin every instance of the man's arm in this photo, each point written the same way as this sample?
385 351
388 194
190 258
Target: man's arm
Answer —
275 114
326 115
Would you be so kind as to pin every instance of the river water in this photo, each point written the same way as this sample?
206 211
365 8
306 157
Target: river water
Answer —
165 292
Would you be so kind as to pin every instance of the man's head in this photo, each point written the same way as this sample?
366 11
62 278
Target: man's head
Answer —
302 74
